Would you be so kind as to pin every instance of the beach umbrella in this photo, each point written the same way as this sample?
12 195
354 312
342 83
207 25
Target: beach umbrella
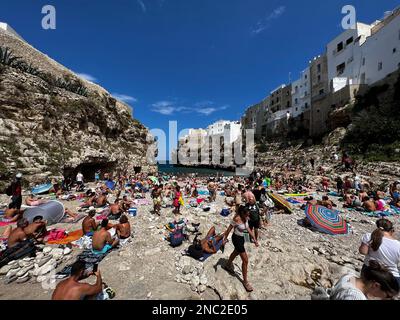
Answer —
326 220
281 202
52 211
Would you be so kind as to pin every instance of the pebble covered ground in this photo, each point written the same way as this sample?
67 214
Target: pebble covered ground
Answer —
289 263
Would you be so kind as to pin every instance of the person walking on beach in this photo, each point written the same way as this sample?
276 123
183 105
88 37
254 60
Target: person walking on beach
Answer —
79 181
177 200
240 225
212 189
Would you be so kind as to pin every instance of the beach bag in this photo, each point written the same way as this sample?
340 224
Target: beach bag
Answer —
225 212
176 238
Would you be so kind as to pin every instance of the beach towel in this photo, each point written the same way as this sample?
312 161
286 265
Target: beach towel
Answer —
2 212
141 202
207 255
55 235
5 223
293 201
72 236
334 194
101 218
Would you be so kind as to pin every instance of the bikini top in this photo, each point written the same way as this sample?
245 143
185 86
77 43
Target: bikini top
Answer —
240 227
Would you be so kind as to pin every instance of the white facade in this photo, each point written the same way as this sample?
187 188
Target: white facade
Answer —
344 55
381 51
301 94
230 130
10 30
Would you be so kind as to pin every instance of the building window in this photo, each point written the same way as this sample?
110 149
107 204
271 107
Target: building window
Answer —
297 109
319 78
319 67
394 50
350 40
380 66
340 68
296 101
306 105
322 91
363 61
317 110
305 77
288 104
340 47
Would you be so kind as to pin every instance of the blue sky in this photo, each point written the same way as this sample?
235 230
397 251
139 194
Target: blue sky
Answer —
193 61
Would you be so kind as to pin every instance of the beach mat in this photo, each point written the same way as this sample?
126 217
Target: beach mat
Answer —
72 236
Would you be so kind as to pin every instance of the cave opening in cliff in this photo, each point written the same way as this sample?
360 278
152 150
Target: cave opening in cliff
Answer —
89 169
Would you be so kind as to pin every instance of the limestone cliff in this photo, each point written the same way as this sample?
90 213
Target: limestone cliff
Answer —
52 122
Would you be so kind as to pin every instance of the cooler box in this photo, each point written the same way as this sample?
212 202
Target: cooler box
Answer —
132 212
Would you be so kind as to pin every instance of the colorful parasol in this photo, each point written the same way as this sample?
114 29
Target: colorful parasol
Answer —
326 220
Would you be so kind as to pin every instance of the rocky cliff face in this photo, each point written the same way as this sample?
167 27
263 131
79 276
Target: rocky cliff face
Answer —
48 126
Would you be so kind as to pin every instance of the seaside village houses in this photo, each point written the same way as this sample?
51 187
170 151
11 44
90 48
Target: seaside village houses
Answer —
354 61
209 146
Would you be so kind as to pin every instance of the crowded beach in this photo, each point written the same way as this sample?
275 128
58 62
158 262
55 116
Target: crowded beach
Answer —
271 235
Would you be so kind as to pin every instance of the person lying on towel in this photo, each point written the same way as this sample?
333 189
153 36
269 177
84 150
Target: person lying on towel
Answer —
37 229
209 244
103 241
32 201
72 289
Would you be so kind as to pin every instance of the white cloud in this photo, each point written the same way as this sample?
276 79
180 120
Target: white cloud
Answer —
142 5
87 77
203 108
265 23
124 98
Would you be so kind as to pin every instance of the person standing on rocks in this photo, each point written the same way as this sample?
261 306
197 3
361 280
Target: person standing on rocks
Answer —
240 225
177 200
312 162
79 181
16 193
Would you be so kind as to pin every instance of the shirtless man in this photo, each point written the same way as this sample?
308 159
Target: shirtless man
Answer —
123 228
37 229
369 205
157 199
115 209
126 204
32 201
72 289
209 243
89 224
101 200
326 202
18 234
102 241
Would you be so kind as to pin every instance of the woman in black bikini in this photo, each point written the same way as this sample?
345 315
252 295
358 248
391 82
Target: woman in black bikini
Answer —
240 224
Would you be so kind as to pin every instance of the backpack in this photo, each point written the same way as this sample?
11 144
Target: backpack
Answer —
8 191
176 238
254 212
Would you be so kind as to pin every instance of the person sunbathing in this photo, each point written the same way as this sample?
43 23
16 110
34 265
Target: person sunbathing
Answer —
209 244
89 224
123 228
102 240
12 215
32 201
369 205
115 210
126 204
73 289
18 234
90 201
37 229
326 202
101 200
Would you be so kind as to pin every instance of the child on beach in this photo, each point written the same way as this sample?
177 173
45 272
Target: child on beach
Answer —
177 200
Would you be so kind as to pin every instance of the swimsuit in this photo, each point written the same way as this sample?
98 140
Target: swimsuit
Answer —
106 248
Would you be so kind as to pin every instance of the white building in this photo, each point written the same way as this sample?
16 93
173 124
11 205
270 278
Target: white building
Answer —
6 27
230 130
381 51
301 94
344 56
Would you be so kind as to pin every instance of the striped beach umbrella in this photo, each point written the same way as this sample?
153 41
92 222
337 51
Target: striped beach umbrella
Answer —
326 220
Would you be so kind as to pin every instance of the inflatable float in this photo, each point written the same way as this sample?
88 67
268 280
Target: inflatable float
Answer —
280 202
44 188
52 211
